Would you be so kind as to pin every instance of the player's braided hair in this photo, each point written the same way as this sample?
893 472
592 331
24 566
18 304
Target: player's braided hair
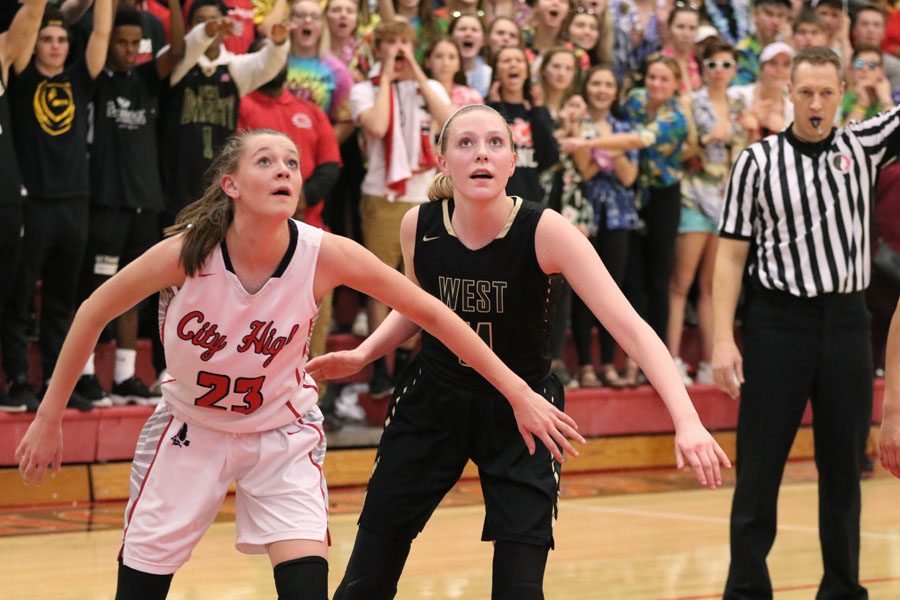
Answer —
205 221
441 186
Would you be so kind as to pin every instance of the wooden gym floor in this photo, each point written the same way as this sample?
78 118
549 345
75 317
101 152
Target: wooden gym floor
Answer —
647 534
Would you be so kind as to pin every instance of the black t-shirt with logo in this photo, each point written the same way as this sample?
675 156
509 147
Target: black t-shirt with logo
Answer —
124 159
50 126
11 189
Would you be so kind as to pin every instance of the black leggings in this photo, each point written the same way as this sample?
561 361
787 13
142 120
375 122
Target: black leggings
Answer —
652 255
612 247
378 560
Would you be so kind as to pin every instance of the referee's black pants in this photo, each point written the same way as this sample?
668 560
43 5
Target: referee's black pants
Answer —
798 349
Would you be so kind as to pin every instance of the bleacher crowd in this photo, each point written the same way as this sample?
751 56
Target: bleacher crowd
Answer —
108 125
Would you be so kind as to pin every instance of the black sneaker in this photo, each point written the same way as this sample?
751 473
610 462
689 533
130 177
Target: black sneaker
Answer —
381 385
76 400
88 387
20 392
133 391
868 466
79 402
8 405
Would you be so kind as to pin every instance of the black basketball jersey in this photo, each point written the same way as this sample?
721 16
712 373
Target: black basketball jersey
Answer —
200 113
499 290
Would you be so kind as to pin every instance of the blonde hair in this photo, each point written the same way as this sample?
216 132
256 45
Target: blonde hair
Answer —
441 186
205 221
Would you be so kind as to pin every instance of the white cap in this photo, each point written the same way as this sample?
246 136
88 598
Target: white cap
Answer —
773 50
705 32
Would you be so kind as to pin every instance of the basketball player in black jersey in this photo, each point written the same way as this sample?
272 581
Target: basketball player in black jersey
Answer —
491 259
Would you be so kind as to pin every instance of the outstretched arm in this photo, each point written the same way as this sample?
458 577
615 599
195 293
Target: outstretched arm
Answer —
156 269
98 43
344 262
17 42
889 445
562 249
173 54
392 332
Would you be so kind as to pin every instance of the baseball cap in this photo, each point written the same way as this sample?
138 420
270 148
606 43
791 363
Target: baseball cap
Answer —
705 32
773 50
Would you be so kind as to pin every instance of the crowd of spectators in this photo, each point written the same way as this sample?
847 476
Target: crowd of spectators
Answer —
626 117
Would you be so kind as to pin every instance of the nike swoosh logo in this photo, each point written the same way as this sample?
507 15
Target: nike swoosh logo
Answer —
425 238
293 432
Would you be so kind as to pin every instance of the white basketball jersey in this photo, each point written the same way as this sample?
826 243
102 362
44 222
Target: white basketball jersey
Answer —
236 360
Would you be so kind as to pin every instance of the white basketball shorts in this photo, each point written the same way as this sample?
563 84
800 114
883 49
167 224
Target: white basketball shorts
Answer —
181 474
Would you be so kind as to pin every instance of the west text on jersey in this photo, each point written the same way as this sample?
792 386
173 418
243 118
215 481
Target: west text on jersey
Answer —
472 295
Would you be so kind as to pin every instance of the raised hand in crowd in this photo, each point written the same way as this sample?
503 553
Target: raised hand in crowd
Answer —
17 41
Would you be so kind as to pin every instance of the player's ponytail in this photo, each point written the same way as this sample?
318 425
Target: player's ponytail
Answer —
205 221
441 187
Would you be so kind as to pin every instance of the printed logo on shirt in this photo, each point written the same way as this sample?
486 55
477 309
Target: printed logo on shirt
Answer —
54 107
106 265
301 121
524 143
842 162
119 111
207 106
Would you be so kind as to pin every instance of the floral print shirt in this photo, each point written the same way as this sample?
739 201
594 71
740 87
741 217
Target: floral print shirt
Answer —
663 133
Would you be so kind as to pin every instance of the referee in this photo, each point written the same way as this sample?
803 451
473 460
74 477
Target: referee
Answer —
801 200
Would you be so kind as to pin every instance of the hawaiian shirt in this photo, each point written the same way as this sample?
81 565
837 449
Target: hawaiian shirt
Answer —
748 51
604 191
663 133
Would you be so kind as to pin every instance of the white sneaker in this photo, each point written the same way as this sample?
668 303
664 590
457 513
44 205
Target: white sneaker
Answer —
360 324
705 374
347 405
682 370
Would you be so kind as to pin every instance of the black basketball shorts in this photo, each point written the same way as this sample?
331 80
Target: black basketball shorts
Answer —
116 237
431 431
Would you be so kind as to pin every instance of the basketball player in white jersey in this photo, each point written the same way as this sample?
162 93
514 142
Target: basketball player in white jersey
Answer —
242 283
492 259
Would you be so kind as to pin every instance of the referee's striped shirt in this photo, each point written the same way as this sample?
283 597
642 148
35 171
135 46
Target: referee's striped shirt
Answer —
807 206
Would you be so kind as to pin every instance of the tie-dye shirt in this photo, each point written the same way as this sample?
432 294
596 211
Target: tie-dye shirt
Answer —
325 81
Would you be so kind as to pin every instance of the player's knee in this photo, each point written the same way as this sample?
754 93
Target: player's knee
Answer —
366 587
521 591
302 579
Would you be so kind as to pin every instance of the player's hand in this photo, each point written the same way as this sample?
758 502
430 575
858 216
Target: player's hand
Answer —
41 447
535 416
889 445
694 446
335 365
728 368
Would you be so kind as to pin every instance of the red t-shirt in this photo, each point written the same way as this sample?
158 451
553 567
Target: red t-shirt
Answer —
302 121
161 12
891 41
241 12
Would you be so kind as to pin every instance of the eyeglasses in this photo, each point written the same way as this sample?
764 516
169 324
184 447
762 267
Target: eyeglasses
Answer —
691 5
306 16
859 63
470 13
718 64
